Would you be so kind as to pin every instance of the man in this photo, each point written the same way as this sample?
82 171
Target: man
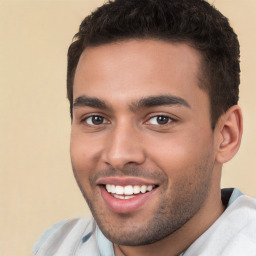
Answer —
153 91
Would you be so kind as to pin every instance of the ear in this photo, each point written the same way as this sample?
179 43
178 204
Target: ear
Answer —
229 133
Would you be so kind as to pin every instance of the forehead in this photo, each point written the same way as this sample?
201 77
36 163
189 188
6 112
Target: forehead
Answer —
134 69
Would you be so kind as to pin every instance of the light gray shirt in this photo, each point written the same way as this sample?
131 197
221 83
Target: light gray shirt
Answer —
232 234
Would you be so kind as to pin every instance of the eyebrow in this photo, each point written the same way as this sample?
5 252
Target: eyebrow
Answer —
147 102
161 100
85 101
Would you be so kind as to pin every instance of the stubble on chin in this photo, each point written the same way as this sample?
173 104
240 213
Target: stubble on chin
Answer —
175 207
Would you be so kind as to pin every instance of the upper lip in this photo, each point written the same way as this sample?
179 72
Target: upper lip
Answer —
124 181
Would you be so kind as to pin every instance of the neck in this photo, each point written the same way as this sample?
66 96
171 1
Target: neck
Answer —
181 239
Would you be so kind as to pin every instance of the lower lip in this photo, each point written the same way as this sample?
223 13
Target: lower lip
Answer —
125 205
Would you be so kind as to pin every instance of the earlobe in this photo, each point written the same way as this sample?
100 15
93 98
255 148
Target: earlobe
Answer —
229 131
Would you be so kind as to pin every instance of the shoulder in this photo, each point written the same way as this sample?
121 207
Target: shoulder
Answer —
240 224
233 233
245 205
62 233
47 233
237 227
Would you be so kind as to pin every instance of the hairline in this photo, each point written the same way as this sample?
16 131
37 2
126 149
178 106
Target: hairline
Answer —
202 70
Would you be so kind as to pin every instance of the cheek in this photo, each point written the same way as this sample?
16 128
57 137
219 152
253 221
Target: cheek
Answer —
176 154
169 149
84 155
83 143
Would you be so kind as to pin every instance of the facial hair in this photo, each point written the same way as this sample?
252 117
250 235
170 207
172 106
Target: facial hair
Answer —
175 208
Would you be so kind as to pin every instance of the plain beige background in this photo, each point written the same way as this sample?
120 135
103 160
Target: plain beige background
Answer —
37 187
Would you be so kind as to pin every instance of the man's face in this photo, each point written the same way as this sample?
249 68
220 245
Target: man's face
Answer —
142 147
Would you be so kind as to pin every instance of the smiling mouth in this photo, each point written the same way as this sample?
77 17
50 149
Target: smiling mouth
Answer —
128 191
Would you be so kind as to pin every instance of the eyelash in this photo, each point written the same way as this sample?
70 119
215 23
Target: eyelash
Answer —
103 120
157 117
94 116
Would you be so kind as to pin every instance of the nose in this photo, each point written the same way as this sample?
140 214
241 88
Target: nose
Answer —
124 147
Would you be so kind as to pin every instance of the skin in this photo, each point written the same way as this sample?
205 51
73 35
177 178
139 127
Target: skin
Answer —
182 155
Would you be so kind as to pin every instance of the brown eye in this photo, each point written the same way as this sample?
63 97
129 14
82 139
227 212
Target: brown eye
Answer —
159 120
163 119
95 120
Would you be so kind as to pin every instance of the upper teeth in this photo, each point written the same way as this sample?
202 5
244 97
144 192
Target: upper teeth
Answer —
128 190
